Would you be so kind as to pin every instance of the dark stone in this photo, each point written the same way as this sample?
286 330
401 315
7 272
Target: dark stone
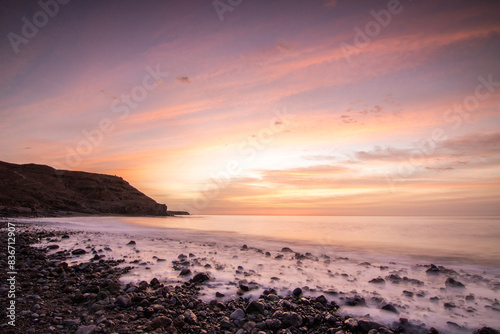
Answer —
155 282
321 299
286 250
451 283
356 301
123 301
378 280
237 315
53 246
219 295
368 325
254 307
273 324
131 242
79 251
297 292
433 270
407 293
185 272
225 323
291 319
390 308
200 278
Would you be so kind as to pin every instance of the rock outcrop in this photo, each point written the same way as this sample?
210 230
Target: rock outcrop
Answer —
39 190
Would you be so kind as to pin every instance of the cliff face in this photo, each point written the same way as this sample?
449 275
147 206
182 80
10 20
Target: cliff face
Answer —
42 190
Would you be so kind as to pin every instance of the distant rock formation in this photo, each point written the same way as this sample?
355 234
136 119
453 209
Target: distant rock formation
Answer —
39 190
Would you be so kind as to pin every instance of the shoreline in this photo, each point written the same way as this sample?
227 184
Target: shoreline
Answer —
93 290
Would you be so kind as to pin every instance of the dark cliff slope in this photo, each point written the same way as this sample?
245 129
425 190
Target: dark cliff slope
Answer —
42 190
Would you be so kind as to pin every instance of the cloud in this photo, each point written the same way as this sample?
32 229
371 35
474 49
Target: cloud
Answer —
184 80
440 169
330 3
284 47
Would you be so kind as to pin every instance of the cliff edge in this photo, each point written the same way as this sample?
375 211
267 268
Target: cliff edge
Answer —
39 190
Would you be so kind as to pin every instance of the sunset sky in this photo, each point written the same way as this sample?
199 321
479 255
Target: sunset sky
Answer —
314 107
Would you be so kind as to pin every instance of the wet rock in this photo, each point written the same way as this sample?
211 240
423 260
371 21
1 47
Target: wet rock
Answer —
297 292
390 308
394 278
286 250
470 297
452 283
408 293
53 246
378 280
185 272
433 270
273 324
200 278
131 242
143 285
219 295
190 317
225 323
356 301
449 305
321 299
79 251
291 319
179 321
254 306
123 301
155 283
237 315
368 325
351 323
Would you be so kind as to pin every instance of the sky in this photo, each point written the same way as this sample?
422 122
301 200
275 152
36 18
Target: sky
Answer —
316 107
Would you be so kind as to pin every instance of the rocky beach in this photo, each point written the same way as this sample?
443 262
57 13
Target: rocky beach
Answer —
81 289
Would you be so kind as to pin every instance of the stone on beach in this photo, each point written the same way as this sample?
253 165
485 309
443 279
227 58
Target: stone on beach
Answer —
452 283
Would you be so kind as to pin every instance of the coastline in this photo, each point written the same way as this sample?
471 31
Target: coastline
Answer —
89 297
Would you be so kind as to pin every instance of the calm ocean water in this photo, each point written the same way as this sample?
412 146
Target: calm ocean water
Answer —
470 240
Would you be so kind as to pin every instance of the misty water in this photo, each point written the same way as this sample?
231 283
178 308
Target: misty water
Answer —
333 256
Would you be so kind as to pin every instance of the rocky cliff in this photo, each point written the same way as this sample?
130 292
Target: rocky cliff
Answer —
38 190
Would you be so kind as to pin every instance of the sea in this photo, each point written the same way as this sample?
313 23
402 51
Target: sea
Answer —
360 262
